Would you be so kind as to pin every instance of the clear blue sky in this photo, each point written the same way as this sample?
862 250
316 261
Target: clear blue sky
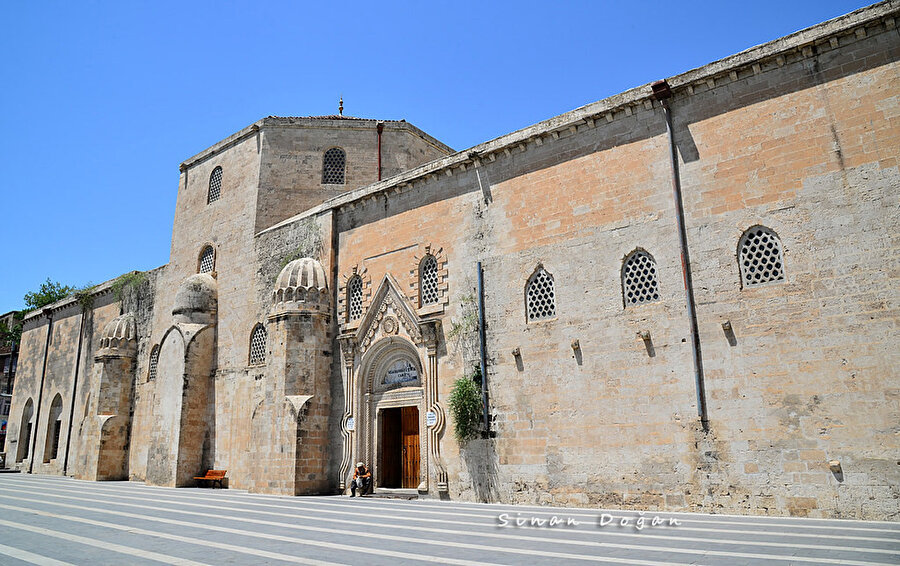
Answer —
101 101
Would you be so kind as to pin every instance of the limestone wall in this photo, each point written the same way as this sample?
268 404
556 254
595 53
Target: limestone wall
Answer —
804 143
59 380
227 225
265 387
595 405
809 373
31 360
292 150
267 176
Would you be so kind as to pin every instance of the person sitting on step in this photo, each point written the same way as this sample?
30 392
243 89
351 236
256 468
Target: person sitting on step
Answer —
362 479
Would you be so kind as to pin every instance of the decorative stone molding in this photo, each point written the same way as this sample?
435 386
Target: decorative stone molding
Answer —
296 403
379 396
442 284
388 300
389 325
437 409
348 348
431 330
348 353
343 306
380 358
392 330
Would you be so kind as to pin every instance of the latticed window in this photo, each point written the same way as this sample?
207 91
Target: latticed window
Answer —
428 280
258 345
154 361
215 185
207 260
540 296
333 166
639 282
354 297
760 256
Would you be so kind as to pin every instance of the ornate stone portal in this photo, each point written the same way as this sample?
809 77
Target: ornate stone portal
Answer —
384 377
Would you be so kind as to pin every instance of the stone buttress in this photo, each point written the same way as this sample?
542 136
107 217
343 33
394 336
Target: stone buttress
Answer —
107 424
181 445
289 427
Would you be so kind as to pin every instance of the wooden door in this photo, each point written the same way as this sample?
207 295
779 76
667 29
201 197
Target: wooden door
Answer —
390 472
409 439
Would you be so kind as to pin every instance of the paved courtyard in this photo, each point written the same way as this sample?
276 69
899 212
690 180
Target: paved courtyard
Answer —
56 521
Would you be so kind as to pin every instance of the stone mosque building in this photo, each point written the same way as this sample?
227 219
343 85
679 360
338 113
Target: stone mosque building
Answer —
690 291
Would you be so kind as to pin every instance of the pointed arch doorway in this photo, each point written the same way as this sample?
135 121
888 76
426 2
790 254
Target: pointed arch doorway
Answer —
391 394
392 413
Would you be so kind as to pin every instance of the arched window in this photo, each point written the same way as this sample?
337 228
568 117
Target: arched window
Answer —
354 298
639 282
154 361
333 163
207 263
23 449
54 427
258 345
215 185
428 280
540 296
759 256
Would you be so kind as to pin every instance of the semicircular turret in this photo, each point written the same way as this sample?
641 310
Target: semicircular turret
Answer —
196 300
301 286
119 337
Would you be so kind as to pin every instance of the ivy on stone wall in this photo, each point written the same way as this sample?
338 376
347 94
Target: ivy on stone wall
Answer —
127 282
310 244
466 407
464 329
85 296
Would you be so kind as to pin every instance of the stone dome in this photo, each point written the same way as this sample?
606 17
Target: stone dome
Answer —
301 285
119 338
118 331
196 300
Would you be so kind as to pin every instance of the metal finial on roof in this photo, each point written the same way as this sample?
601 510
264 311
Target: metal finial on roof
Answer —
341 106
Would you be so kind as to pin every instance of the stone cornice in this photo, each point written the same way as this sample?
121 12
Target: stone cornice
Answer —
97 291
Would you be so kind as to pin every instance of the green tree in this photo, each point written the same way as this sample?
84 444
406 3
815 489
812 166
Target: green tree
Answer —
50 292
12 335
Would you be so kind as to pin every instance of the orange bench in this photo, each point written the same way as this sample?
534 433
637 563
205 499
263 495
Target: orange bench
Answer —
213 476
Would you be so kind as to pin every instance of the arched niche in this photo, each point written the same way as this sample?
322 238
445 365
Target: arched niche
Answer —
23 448
178 448
391 363
54 429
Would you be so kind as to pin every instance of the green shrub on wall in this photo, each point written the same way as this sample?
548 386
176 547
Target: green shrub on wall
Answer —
466 408
127 281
